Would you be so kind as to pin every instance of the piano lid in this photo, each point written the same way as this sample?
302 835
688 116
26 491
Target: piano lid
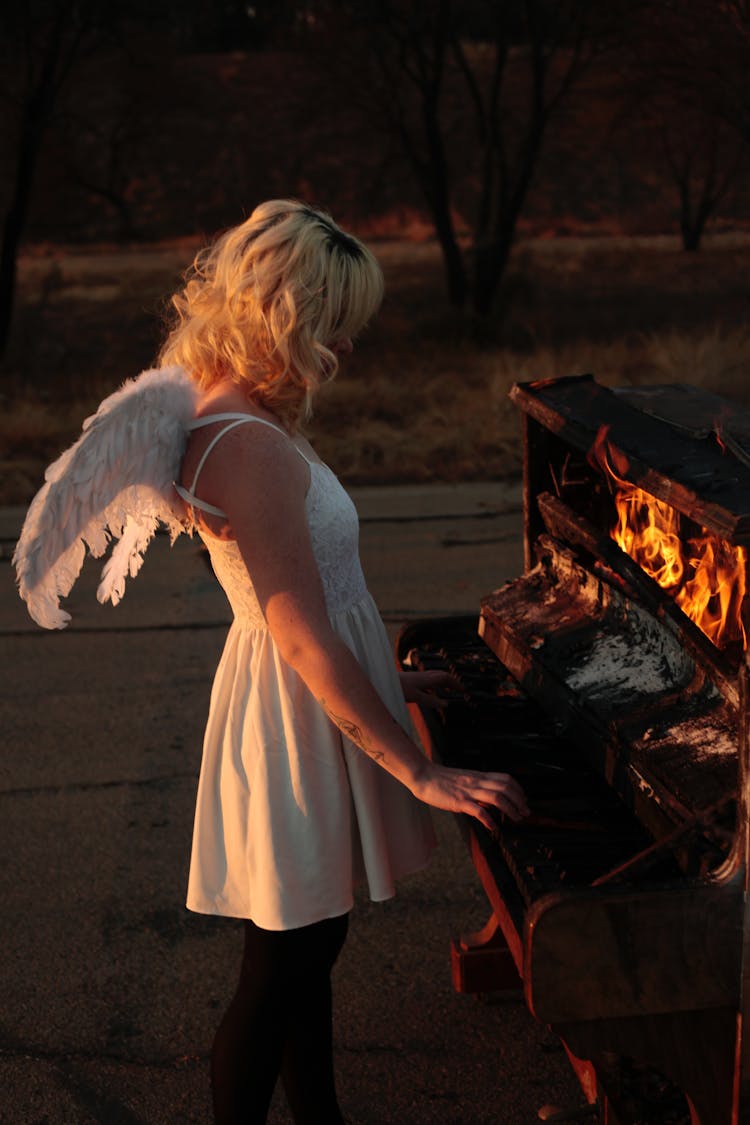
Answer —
685 446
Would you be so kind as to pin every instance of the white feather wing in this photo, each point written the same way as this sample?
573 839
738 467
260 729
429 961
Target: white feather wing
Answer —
115 482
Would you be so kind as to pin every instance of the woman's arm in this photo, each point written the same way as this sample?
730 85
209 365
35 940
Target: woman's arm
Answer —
261 483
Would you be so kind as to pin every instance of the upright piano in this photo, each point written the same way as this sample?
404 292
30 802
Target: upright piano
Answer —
611 680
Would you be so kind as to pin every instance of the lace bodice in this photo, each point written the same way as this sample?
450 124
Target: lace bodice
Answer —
334 531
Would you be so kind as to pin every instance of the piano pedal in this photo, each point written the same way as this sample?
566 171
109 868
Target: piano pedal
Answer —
555 1113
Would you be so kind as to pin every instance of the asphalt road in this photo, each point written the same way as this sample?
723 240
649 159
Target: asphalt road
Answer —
110 988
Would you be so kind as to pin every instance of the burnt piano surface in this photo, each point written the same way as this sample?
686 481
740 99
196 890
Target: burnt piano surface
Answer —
621 903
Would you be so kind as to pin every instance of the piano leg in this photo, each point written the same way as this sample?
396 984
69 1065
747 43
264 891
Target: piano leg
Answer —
482 962
586 1075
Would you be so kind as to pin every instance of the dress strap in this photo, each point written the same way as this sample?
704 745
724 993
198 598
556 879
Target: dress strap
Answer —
194 502
231 416
234 420
236 417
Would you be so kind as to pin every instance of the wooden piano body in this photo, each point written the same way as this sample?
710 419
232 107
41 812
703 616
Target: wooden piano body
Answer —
621 904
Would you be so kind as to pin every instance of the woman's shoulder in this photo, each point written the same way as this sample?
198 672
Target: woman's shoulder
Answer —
234 435
229 464
223 444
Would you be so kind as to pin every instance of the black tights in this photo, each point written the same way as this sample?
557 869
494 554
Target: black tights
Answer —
279 1022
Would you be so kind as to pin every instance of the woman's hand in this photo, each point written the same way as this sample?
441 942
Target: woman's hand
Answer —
429 689
459 791
472 792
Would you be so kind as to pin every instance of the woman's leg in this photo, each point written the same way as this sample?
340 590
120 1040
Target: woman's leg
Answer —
249 1042
307 1065
282 1008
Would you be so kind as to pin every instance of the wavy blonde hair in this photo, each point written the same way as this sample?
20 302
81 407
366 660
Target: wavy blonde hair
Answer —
264 305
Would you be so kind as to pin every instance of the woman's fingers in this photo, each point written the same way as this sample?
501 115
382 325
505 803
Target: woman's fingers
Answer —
483 811
474 793
498 791
431 688
504 787
481 814
428 699
437 680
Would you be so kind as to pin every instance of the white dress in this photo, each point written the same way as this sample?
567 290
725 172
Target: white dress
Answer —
290 814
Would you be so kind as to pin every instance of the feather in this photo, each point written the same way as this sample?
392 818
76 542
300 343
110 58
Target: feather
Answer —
115 482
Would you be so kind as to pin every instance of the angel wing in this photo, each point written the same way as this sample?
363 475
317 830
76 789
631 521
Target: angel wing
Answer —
114 482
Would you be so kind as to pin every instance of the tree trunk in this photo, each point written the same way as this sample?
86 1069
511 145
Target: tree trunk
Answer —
437 191
490 262
15 221
693 219
453 263
126 229
691 235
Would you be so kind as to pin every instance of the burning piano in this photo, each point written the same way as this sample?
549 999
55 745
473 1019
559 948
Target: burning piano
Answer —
611 680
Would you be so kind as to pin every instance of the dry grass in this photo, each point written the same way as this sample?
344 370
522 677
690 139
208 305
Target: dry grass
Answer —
455 425
32 433
421 399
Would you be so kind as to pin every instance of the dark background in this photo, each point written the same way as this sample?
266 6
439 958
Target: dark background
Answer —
551 186
126 121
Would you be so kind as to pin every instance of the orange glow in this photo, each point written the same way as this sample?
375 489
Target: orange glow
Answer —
705 575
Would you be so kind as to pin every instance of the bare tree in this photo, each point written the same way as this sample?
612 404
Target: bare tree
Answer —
42 40
110 177
687 83
703 158
469 89
714 60
112 118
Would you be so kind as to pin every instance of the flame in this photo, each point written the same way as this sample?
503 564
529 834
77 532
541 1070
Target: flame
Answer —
705 575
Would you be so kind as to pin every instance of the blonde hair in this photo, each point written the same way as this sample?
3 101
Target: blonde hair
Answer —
264 305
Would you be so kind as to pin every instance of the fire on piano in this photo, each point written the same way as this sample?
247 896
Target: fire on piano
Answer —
611 680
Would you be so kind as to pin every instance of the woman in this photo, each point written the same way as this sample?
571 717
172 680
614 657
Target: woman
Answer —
310 779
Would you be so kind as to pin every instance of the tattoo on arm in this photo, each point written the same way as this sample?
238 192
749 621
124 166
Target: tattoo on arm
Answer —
353 733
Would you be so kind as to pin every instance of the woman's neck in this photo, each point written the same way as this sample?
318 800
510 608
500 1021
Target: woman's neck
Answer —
228 396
